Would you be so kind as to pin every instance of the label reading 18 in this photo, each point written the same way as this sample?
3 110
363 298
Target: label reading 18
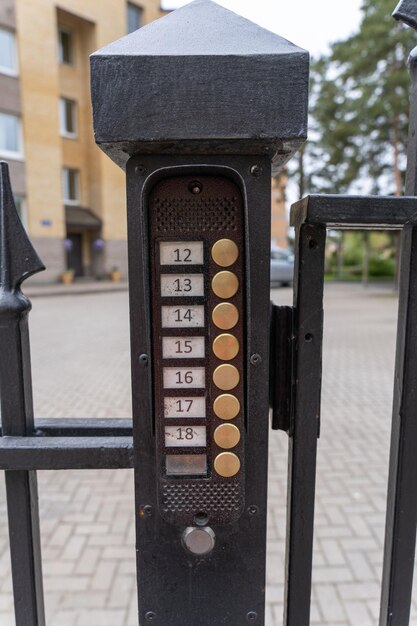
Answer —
185 436
181 252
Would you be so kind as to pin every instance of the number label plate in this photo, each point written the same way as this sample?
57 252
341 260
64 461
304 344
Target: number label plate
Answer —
181 252
184 378
183 316
183 347
185 436
180 285
184 407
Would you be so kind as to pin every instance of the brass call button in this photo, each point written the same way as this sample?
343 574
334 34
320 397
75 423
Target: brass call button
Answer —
225 252
225 316
227 436
225 347
227 464
226 377
226 406
225 284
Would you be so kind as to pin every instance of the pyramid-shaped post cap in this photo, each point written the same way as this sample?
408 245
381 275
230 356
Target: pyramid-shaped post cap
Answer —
200 80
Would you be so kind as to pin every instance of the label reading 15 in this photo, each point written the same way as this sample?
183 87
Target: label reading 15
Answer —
183 347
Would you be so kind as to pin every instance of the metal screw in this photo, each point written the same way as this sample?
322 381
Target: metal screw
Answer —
195 187
256 171
252 616
256 359
141 170
308 337
150 616
253 509
144 359
146 510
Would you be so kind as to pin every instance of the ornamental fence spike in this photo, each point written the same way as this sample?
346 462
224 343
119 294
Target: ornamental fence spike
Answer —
18 258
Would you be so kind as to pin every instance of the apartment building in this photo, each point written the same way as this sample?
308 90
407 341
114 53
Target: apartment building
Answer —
69 194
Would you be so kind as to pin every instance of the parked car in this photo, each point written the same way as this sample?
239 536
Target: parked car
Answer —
282 266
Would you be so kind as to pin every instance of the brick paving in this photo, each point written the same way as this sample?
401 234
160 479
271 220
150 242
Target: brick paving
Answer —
80 355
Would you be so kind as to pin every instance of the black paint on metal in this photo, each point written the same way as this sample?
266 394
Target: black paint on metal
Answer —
406 12
401 521
59 453
17 407
174 584
196 73
363 212
281 366
308 333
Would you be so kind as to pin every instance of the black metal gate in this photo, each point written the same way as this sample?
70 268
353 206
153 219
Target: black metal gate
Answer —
27 445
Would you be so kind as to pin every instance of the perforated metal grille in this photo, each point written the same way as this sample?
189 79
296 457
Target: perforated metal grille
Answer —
206 497
190 214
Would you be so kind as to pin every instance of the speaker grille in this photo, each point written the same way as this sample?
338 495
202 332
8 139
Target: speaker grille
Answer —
190 214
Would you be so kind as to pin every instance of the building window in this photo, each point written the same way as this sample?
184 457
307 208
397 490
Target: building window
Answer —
71 185
10 136
8 55
134 17
21 208
68 117
65 47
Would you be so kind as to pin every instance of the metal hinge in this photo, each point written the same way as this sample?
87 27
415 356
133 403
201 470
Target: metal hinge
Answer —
281 366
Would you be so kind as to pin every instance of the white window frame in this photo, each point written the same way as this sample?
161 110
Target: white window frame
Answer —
62 118
7 70
17 155
67 31
69 201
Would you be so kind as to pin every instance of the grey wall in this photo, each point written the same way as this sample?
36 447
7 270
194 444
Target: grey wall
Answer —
7 15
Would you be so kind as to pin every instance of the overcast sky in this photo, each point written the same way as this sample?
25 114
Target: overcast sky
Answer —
311 24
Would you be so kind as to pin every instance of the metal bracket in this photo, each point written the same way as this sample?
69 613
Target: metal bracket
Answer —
281 366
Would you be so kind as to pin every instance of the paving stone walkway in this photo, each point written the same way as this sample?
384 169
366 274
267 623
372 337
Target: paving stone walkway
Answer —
80 355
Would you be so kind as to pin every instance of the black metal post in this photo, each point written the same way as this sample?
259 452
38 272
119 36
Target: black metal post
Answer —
308 332
18 260
400 535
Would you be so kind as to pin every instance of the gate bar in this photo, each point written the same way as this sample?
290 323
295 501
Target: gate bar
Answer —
18 260
308 332
401 521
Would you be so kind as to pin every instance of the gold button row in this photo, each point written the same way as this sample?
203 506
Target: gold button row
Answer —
226 377
225 252
227 464
225 284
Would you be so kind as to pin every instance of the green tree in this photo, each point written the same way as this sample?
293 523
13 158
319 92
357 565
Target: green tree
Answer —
360 108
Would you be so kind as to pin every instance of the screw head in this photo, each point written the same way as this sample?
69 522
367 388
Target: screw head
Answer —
253 509
144 359
141 170
256 171
252 616
146 510
150 616
256 359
